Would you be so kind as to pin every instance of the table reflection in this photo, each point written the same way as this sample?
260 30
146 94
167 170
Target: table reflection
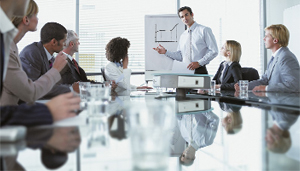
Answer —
199 131
233 121
278 137
54 145
282 100
210 134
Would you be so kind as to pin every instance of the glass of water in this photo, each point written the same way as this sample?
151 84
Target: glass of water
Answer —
213 87
150 130
84 94
243 84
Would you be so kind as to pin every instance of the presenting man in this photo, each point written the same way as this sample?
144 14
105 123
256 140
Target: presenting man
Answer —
282 74
197 45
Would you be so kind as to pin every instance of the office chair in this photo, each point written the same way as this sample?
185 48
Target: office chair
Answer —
103 73
250 74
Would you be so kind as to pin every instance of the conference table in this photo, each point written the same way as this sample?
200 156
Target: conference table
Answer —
259 131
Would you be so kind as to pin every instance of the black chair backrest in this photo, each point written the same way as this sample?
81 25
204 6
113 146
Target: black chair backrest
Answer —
250 74
103 73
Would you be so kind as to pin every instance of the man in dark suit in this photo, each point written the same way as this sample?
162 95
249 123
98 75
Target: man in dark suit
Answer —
58 108
74 73
37 58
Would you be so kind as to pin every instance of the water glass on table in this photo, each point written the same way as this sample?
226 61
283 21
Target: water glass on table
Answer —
243 84
213 87
84 94
98 102
150 130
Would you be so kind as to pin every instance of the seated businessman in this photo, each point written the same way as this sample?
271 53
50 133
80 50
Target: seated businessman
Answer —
74 72
37 58
282 74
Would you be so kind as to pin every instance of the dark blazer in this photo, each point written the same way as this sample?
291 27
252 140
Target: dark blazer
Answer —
71 75
231 75
37 114
35 63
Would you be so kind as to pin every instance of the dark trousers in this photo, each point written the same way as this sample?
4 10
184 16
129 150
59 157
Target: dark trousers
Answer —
201 70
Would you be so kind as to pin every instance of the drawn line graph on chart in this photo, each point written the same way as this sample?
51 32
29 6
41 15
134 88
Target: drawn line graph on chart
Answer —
166 35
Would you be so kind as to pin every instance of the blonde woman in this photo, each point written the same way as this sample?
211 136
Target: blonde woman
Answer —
17 85
229 71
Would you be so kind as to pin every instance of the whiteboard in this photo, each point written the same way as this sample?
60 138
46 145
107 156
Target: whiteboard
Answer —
164 30
291 19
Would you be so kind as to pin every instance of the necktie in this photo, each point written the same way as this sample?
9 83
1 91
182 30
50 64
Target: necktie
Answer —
51 62
1 61
188 52
225 66
271 62
75 63
270 66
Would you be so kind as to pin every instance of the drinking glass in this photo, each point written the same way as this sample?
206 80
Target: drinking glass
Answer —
84 94
98 101
243 84
150 130
213 87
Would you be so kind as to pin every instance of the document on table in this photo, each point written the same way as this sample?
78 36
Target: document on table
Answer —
181 67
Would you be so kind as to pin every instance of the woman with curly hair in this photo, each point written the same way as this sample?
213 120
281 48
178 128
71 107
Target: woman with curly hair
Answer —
116 69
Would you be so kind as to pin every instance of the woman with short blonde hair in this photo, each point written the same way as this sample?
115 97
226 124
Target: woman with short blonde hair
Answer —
229 71
235 49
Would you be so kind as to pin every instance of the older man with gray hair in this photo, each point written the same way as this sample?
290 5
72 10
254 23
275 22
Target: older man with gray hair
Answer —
75 72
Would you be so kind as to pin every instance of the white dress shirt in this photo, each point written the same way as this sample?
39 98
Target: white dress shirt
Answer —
49 56
69 56
9 32
204 46
114 72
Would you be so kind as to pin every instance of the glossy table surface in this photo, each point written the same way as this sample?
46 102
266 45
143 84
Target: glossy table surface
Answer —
259 132
263 99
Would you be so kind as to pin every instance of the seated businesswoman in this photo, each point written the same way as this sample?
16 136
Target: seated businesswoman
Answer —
229 71
117 68
17 85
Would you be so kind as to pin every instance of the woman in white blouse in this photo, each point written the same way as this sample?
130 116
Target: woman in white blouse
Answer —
116 69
